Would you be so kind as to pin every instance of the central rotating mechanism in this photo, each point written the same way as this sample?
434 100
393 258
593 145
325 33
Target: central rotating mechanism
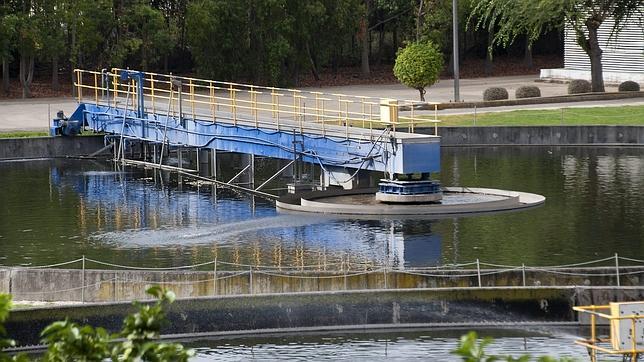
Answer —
409 188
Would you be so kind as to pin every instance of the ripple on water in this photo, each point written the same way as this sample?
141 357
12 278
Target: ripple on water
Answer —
376 347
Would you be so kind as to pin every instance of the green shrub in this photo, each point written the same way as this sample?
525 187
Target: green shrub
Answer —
629 86
138 340
527 91
418 66
577 86
495 94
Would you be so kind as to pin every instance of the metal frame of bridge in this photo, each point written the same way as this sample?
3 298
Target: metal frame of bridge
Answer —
340 133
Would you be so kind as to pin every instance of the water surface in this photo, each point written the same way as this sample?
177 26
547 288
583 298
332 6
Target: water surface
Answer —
57 210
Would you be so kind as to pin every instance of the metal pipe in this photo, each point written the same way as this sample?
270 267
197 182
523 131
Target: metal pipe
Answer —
455 49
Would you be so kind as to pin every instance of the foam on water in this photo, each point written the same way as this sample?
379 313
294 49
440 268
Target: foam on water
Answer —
222 234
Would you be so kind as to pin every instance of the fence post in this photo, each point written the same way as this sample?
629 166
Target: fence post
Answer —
478 271
617 269
385 274
214 279
344 269
83 281
523 273
250 279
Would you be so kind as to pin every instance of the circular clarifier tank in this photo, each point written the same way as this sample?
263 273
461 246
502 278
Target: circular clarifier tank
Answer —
455 200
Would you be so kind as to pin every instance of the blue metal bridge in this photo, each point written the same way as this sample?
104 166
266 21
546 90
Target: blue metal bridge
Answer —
334 131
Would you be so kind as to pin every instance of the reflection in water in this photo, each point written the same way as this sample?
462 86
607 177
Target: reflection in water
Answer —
56 210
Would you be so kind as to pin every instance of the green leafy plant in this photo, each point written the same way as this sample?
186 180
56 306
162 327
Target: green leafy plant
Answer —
577 86
527 91
629 86
495 94
418 66
472 349
138 340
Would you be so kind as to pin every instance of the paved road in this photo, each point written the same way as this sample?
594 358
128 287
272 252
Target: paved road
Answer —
34 114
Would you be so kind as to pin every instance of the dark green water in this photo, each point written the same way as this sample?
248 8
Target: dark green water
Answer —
432 345
57 210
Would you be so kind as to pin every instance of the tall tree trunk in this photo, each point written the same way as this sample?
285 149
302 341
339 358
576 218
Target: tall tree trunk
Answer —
73 59
364 35
5 75
314 68
26 74
394 35
595 53
422 92
55 85
381 43
527 57
489 65
418 18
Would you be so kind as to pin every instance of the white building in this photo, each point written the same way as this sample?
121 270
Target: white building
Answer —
622 57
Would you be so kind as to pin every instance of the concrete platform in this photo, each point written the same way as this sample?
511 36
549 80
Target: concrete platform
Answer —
362 202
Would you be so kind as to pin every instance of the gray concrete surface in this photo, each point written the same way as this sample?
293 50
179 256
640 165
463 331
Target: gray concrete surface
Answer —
47 147
66 285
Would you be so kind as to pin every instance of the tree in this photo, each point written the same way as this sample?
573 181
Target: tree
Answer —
7 44
418 66
512 18
50 18
363 36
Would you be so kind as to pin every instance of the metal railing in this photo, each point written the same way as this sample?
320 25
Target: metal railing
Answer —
632 342
475 274
259 106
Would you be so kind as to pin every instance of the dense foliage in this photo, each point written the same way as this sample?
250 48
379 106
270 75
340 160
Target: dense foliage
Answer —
577 86
629 86
495 94
276 42
418 66
527 91
512 18
137 341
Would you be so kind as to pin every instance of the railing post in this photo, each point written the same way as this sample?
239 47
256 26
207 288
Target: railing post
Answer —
250 279
385 275
83 280
152 97
478 271
617 269
435 119
523 273
214 279
96 88
79 81
344 269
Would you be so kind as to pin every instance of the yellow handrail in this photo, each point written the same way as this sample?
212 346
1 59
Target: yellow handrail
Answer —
264 106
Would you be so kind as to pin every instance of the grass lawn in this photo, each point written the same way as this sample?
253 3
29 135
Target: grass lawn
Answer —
625 115
22 134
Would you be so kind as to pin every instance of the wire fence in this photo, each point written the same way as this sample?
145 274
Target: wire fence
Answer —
239 278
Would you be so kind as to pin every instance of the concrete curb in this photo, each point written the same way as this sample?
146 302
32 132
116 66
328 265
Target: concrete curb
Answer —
584 97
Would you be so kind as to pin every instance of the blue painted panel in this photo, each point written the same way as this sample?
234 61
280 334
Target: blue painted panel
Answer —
423 157
323 150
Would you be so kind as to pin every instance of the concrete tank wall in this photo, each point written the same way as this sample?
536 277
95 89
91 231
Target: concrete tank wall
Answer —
275 312
45 147
125 285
